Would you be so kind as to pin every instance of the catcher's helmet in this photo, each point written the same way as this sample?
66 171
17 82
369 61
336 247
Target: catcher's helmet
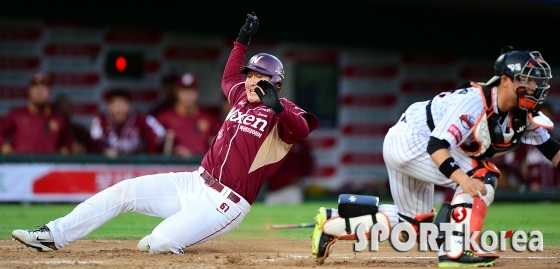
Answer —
268 65
524 66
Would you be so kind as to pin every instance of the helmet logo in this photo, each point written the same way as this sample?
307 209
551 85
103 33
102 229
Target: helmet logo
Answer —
279 72
514 67
255 59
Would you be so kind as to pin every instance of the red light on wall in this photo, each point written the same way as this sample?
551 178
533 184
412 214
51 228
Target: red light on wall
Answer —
124 64
120 63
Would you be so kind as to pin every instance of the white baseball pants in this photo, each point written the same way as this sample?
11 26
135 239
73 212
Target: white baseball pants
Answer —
193 212
412 172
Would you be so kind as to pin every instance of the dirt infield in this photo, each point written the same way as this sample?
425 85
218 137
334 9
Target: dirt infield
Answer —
227 253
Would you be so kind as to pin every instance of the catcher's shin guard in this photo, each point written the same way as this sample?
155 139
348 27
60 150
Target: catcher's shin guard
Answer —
337 226
466 209
353 210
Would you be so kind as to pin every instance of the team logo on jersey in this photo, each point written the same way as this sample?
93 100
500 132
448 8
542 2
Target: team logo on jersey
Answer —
456 133
467 121
248 123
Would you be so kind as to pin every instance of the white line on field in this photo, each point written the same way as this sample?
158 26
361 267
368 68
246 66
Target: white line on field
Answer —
60 262
433 257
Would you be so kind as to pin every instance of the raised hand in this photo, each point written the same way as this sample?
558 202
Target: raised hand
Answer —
248 29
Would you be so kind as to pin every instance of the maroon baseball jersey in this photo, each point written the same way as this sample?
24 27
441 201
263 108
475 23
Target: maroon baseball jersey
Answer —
191 131
252 142
139 134
34 132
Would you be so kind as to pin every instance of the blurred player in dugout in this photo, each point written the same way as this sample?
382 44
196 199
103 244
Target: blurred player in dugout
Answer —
168 83
190 130
123 131
36 128
82 143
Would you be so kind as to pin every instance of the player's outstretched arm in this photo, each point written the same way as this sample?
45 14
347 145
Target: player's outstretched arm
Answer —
551 150
248 29
236 58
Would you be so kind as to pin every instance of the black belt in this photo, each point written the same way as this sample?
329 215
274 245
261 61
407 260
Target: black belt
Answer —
429 118
213 183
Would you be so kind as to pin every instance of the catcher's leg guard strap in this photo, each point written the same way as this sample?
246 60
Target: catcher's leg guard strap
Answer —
351 205
415 222
337 226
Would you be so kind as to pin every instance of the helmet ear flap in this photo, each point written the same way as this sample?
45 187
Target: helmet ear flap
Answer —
277 81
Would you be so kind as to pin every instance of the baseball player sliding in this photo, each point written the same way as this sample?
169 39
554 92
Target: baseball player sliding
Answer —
448 141
207 203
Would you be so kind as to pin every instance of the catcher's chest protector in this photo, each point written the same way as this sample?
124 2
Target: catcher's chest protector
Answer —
490 140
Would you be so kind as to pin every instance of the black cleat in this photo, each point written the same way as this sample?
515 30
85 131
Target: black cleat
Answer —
467 259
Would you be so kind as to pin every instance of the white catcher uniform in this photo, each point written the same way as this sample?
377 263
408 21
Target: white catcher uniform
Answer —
412 172
466 121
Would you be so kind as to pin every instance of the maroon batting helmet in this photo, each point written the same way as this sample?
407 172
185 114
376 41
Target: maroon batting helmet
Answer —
268 65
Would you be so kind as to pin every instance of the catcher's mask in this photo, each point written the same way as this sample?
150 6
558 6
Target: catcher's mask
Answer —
531 72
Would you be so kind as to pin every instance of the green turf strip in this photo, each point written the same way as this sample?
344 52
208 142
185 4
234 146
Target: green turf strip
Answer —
544 217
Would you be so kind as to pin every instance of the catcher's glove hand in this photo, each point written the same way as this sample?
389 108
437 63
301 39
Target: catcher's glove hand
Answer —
248 29
269 96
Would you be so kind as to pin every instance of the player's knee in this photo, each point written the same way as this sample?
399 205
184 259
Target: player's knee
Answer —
488 173
490 180
160 243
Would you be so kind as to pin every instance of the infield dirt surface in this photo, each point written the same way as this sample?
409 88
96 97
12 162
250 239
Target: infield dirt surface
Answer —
228 253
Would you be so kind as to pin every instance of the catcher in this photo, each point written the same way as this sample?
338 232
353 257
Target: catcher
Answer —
448 141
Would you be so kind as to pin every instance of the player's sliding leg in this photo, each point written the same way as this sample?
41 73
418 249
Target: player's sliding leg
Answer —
465 209
154 195
340 224
185 228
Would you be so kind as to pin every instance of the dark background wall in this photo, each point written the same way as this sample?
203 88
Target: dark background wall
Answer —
475 28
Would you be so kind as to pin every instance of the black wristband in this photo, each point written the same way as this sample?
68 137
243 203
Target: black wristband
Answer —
549 148
448 166
243 39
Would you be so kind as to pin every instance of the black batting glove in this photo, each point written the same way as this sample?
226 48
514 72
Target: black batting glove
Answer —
249 29
270 96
